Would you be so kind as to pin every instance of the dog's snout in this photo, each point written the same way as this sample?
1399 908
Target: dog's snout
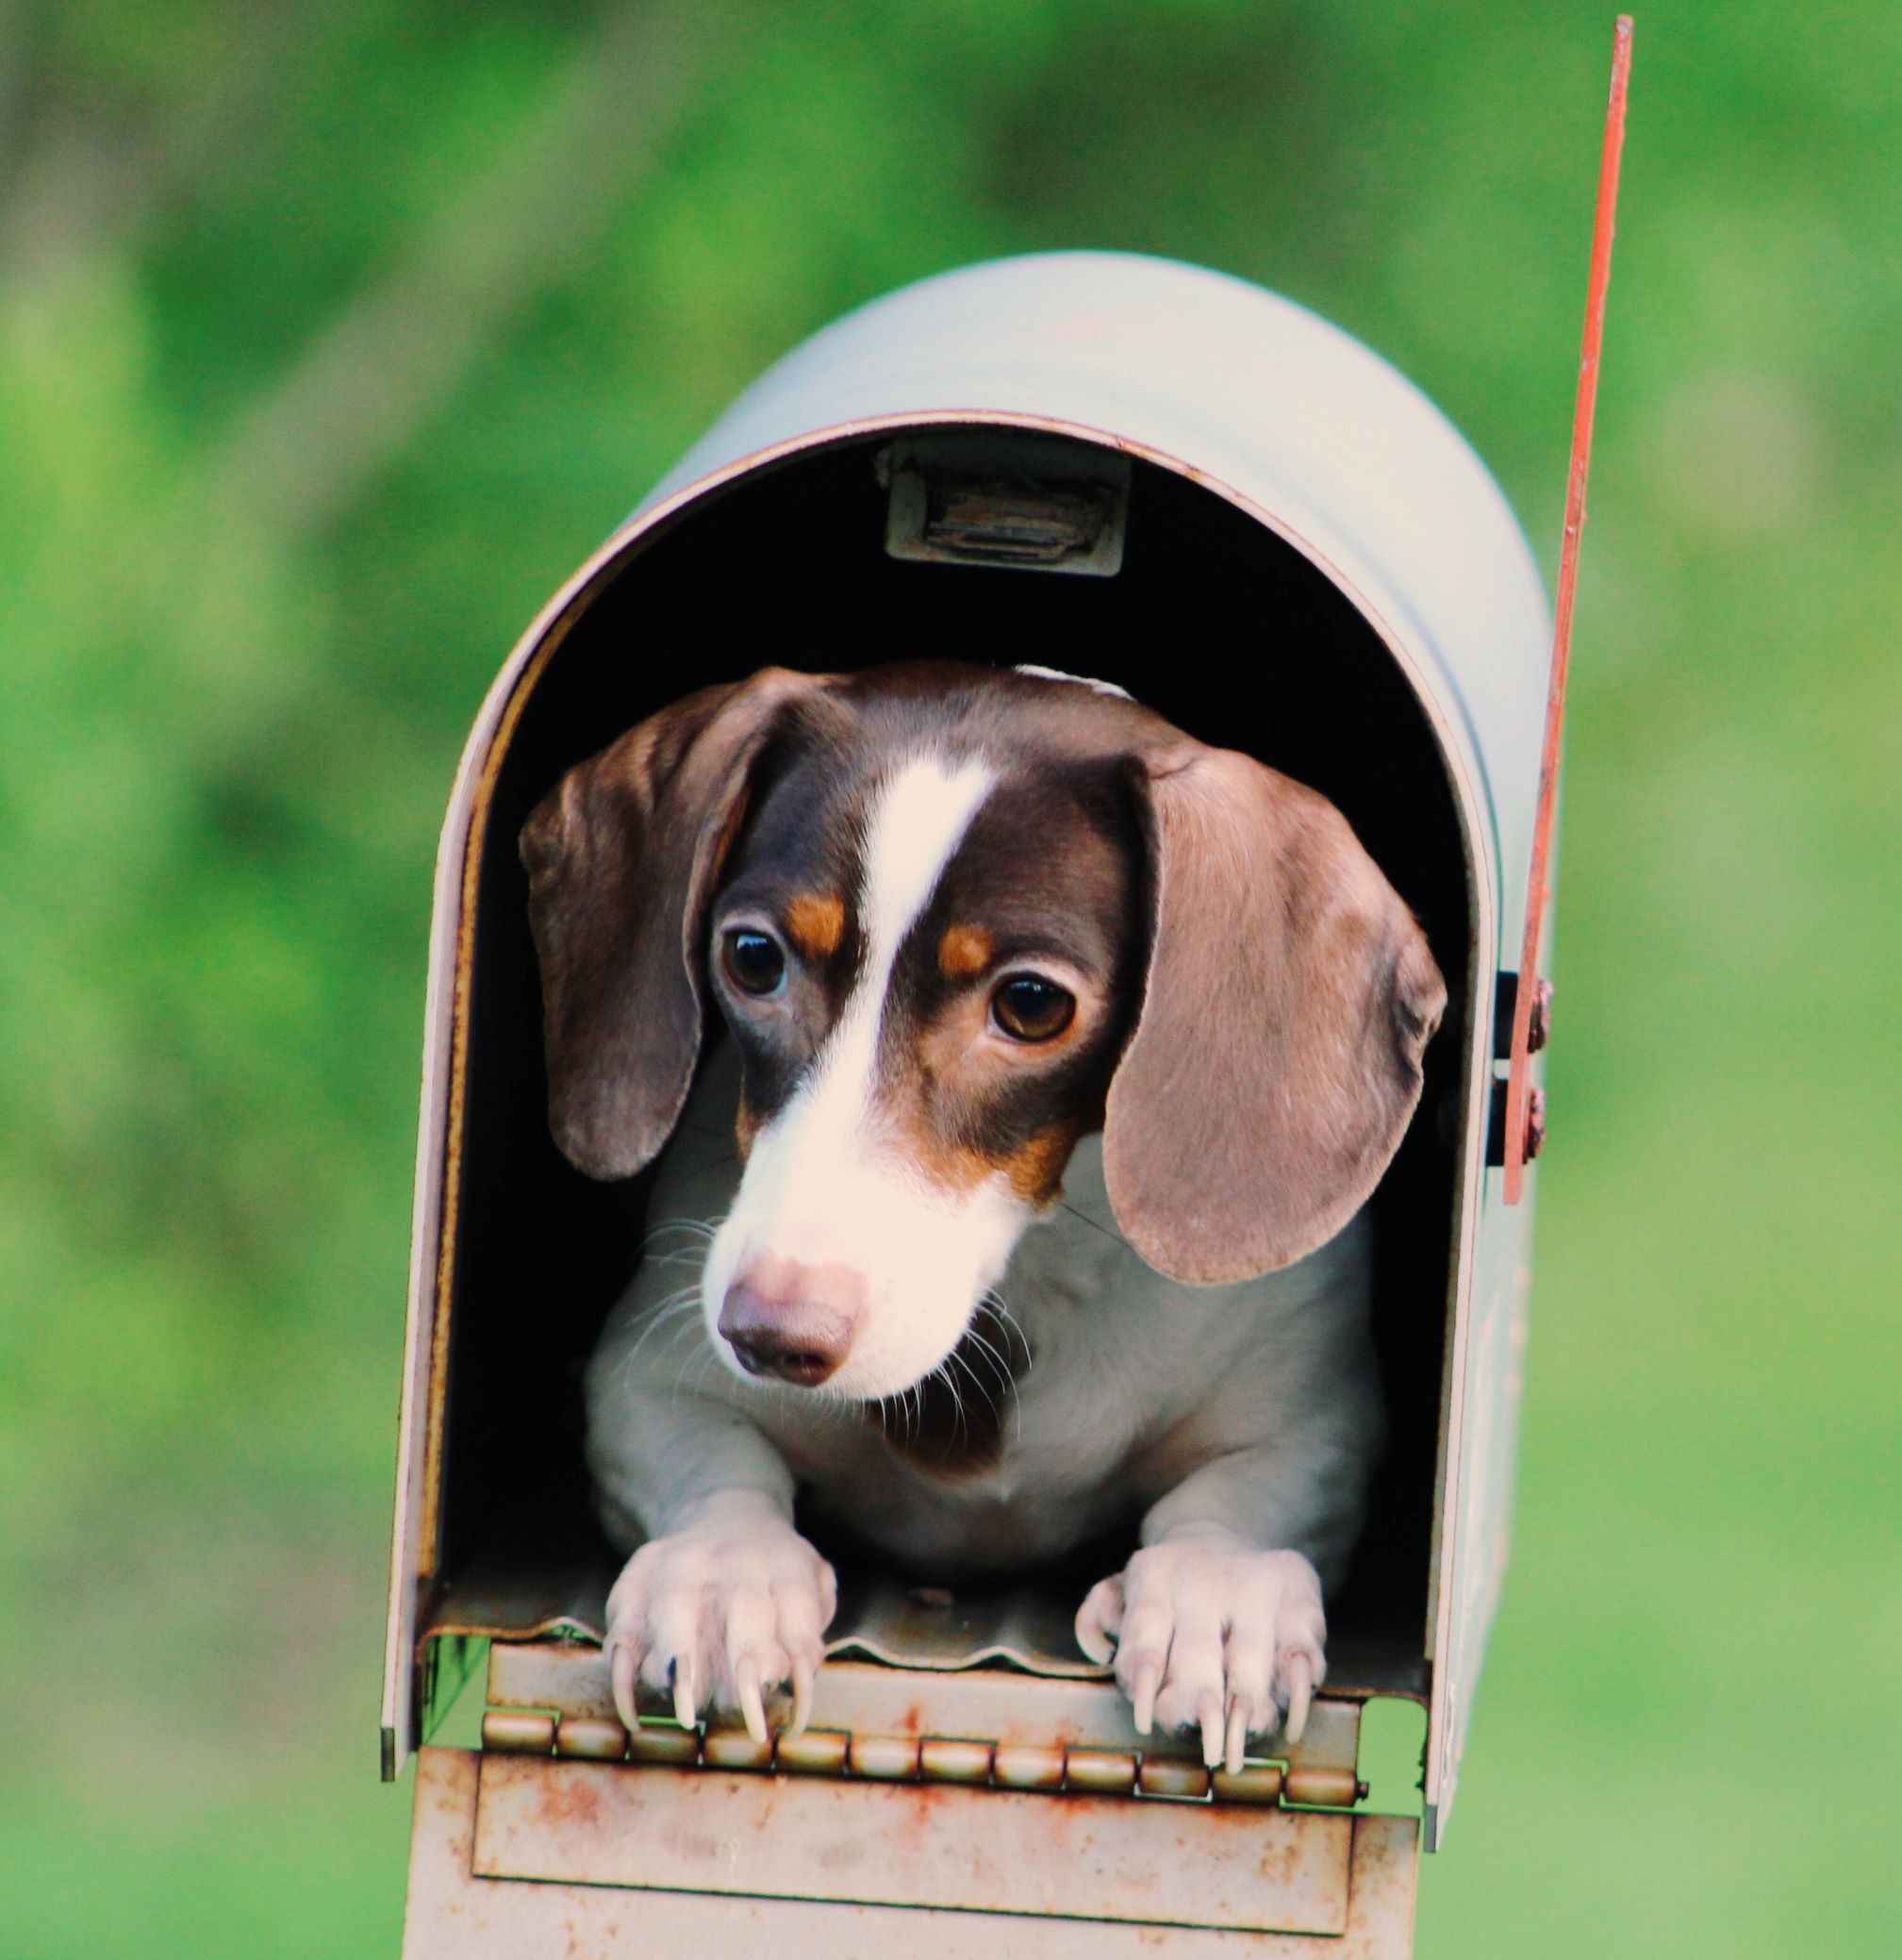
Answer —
791 1321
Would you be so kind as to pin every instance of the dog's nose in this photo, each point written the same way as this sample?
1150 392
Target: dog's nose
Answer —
791 1321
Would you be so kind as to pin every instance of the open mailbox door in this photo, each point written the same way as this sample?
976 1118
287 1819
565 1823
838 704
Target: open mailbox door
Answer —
1201 452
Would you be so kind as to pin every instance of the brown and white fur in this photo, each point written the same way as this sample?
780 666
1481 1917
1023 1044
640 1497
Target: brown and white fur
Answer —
1084 1047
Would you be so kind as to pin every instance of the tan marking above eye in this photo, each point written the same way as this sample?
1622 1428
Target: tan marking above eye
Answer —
815 922
965 952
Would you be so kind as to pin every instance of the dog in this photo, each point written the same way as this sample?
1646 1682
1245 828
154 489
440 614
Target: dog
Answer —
1063 1054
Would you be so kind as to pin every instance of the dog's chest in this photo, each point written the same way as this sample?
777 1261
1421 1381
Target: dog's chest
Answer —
1093 1429
1121 1381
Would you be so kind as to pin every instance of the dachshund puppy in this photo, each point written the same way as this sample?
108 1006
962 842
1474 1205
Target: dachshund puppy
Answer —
1063 1055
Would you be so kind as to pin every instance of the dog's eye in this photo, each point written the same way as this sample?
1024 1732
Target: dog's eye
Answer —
1032 1009
755 961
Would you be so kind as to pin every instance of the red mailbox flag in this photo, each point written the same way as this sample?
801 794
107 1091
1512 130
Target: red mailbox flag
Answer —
1519 1076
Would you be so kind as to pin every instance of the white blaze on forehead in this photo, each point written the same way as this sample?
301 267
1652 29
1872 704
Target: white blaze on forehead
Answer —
917 820
820 1188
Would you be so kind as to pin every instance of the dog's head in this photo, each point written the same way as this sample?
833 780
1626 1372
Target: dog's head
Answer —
956 919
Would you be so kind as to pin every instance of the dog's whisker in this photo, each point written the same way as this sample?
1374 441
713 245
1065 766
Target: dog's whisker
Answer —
999 1360
700 1228
989 1351
943 1373
1083 1217
677 1314
997 1305
695 1254
990 1399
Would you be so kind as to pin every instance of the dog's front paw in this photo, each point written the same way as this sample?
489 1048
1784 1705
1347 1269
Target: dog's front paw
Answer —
1208 1633
721 1614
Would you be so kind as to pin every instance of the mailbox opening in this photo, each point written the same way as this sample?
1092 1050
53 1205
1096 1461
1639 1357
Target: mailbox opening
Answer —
1212 620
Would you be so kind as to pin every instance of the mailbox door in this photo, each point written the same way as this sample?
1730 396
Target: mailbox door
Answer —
1061 1834
455 1910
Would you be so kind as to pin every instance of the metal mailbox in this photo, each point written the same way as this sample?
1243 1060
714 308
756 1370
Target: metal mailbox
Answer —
1276 541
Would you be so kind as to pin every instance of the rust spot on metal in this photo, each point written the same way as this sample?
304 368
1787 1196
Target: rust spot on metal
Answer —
943 1759
886 1758
1334 1789
589 1737
1255 1783
1099 1772
570 1802
1161 1777
734 1749
649 1744
518 1731
816 1753
1029 1766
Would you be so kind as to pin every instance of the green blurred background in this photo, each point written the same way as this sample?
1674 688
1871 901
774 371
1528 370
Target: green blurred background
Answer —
332 336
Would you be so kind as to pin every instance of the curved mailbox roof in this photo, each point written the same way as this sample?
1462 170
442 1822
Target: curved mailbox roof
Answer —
1267 402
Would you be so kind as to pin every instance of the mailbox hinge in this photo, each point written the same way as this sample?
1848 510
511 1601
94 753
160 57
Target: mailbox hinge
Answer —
932 1759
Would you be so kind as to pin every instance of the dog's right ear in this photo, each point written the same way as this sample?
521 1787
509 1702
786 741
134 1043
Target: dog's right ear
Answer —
621 858
1276 1061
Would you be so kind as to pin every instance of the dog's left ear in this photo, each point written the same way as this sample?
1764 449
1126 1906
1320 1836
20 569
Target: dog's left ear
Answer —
622 857
1276 1061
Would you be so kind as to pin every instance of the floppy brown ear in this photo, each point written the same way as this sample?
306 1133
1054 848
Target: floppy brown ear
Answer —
621 855
1276 1059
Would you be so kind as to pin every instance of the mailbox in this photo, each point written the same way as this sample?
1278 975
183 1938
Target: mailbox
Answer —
1167 479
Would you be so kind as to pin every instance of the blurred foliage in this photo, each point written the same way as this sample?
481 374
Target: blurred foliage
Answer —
332 336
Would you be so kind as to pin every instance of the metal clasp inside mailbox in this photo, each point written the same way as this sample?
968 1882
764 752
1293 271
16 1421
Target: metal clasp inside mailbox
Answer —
1277 542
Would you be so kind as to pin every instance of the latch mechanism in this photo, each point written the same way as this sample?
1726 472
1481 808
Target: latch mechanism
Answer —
1006 497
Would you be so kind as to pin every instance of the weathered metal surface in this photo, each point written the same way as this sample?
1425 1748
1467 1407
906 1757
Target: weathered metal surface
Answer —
734 1748
862 1698
1534 1140
879 1618
918 1845
1169 1770
885 1759
1338 1789
519 1730
680 1747
453 1914
1172 1776
1505 1008
1101 1772
883 1618
1029 1766
943 1759
814 1752
1259 1783
600 1741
